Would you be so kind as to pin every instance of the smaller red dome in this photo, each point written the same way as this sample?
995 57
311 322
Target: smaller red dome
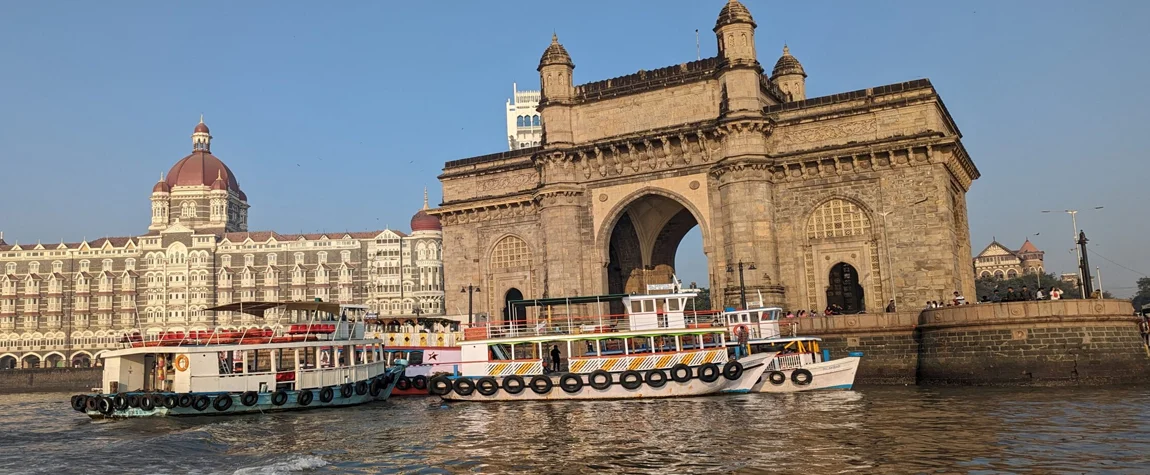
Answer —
425 222
219 185
201 128
161 187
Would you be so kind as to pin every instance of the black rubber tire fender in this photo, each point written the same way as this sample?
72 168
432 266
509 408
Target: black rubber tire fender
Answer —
419 382
171 401
375 387
346 390
631 379
223 402
157 400
404 383
147 403
185 400
776 378
201 402
802 377
680 373
514 384
361 388
326 394
486 386
279 398
249 398
733 370
438 386
304 397
120 401
599 379
92 403
655 378
79 401
541 384
709 373
107 407
464 386
571 383
133 400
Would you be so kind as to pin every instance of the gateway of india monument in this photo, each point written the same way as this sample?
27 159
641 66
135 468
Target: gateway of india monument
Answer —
851 199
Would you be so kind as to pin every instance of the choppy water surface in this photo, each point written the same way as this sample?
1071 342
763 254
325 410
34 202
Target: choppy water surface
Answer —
889 430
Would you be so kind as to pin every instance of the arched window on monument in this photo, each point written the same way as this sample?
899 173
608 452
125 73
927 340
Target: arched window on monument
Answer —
837 218
510 252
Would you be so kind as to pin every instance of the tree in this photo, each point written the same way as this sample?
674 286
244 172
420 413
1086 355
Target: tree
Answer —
1143 296
702 300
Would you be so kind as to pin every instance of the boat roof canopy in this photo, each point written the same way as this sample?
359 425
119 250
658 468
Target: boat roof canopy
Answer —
568 300
258 308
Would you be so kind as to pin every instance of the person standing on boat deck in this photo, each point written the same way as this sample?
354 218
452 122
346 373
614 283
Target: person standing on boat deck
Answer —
555 358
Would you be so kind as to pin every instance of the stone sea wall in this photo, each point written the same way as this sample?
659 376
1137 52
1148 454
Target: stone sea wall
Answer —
1048 343
43 380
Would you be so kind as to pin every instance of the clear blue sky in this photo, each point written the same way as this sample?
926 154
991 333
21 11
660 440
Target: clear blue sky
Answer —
334 116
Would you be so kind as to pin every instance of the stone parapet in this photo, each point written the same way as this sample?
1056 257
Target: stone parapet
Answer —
14 381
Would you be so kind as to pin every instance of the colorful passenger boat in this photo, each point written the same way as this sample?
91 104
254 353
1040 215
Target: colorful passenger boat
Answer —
429 345
656 349
799 364
332 366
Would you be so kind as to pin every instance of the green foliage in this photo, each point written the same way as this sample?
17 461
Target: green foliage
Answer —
702 300
985 286
1142 297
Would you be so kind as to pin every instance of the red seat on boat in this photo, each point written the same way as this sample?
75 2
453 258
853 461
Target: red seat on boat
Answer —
285 376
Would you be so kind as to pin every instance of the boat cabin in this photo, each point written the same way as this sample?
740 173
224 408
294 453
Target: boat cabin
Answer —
758 323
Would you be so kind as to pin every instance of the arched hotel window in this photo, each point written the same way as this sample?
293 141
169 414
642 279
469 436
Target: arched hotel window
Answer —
535 121
519 121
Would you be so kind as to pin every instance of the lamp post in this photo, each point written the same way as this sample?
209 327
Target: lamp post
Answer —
1074 223
742 286
470 290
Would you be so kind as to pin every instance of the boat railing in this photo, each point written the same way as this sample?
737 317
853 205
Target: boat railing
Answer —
320 377
784 362
646 361
580 325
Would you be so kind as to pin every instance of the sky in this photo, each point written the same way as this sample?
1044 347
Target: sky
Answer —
335 116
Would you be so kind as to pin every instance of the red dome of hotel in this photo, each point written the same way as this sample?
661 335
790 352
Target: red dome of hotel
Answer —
201 168
423 221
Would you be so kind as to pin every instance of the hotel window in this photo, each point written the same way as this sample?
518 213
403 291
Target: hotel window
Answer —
57 267
33 267
10 268
271 259
249 260
226 261
321 257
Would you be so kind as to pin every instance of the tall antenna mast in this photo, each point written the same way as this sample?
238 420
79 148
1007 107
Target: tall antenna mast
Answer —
697 54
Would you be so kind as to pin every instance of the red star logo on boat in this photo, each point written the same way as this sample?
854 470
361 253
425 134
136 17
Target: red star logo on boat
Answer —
431 356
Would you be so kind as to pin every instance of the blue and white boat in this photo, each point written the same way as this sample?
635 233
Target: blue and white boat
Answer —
322 362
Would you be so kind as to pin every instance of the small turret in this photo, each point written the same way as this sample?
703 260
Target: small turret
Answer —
790 77
558 91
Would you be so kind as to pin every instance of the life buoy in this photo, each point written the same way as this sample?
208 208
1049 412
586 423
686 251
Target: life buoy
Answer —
223 402
599 379
464 386
304 397
776 377
185 400
733 370
486 386
656 378
279 398
171 401
571 383
741 330
404 383
709 373
681 373
120 401
361 388
541 384
802 377
147 403
438 386
419 382
326 394
181 364
201 402
249 398
79 402
346 390
514 384
631 379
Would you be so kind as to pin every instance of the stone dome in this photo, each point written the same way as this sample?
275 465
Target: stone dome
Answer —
201 127
788 64
202 169
734 12
161 187
555 54
425 222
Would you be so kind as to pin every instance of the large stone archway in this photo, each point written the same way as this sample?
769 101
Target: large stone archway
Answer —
642 243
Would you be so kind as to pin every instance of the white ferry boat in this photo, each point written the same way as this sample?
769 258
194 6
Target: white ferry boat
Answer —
325 361
799 364
657 349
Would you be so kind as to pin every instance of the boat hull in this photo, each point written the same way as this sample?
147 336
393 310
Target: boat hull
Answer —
836 374
263 403
753 367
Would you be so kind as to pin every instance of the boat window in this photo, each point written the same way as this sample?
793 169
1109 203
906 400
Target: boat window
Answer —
416 357
500 352
639 345
649 305
661 305
754 317
690 342
610 346
674 305
262 360
525 352
636 306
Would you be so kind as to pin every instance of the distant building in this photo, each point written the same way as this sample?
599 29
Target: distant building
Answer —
68 302
524 126
999 261
1070 279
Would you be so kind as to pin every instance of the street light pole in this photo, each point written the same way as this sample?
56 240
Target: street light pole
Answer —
470 289
1074 236
742 285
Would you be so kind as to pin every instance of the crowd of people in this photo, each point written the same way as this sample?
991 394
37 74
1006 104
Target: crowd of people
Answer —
1022 295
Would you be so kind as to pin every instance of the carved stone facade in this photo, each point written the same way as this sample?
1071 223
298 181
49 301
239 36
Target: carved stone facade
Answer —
851 199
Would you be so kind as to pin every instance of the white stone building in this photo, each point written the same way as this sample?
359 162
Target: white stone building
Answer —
524 128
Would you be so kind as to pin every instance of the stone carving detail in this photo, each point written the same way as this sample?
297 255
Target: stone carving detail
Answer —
831 132
507 183
488 212
558 197
809 267
603 197
694 185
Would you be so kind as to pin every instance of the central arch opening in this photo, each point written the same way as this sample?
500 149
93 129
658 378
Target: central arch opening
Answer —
509 313
844 291
645 245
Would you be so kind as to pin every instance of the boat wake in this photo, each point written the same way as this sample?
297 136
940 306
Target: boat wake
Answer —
294 464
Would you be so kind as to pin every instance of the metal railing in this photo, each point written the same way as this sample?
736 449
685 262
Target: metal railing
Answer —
582 325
